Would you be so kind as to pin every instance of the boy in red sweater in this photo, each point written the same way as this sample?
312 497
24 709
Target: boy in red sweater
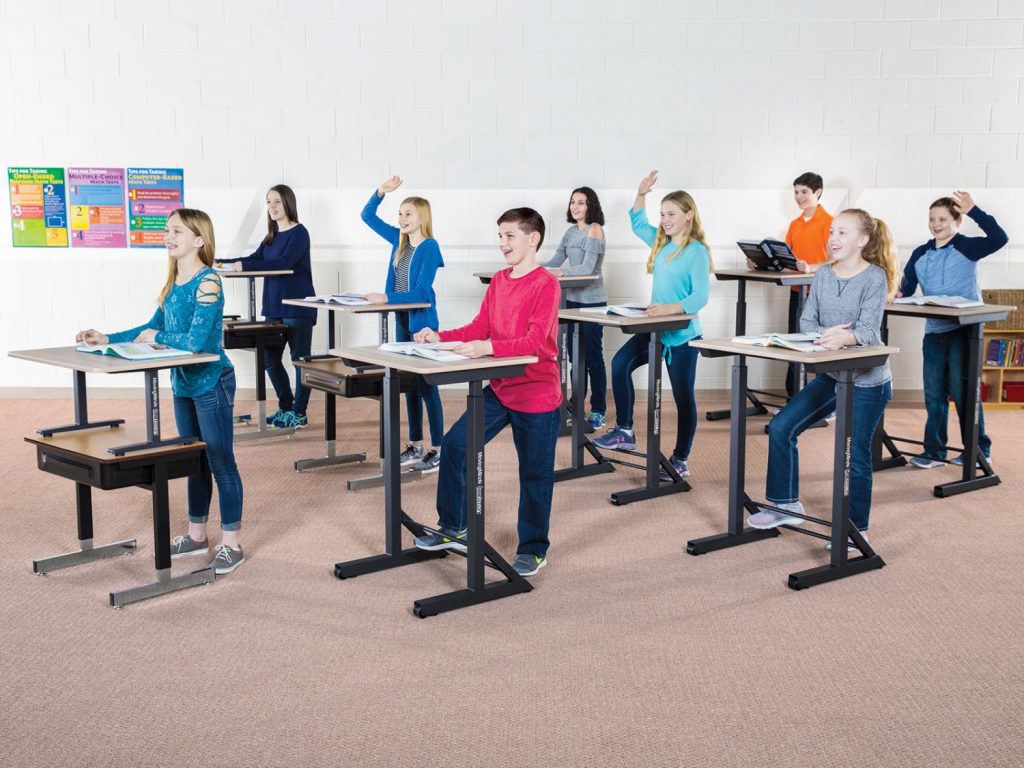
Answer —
519 316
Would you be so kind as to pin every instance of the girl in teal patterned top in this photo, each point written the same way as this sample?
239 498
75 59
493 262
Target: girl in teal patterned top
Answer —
190 316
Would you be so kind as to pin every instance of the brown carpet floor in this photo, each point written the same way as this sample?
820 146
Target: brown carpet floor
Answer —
627 653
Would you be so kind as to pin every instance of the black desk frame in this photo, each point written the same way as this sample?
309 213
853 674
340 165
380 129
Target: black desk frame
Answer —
840 564
655 460
973 458
479 554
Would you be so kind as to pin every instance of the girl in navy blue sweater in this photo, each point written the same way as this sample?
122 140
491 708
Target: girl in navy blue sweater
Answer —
286 246
415 259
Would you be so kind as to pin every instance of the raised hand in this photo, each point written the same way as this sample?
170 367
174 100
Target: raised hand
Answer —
389 185
647 183
964 201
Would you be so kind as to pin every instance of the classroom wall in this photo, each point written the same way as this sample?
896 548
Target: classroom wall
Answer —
483 105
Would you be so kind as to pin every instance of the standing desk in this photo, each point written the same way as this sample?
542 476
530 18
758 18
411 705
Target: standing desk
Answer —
479 554
258 335
323 372
741 277
564 427
843 363
117 457
654 459
973 458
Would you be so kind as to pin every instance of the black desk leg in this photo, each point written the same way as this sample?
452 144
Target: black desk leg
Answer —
564 428
756 408
164 583
653 487
81 412
479 552
580 441
394 517
86 551
972 456
840 564
153 438
738 499
881 439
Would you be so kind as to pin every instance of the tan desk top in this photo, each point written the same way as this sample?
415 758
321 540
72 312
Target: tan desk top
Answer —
365 309
785 277
561 279
618 321
256 273
930 310
67 357
791 355
423 366
95 442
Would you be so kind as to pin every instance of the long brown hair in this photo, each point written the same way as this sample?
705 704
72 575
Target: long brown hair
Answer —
695 232
291 210
199 224
880 249
426 224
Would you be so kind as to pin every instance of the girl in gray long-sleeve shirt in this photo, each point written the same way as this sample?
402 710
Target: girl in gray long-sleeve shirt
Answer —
581 252
845 306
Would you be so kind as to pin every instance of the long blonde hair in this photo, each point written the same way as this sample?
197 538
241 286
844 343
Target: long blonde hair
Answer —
199 224
426 224
880 249
695 232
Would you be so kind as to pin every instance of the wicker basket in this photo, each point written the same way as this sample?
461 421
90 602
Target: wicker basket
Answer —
1013 297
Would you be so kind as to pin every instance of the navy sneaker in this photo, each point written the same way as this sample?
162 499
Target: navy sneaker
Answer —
595 420
679 465
616 439
278 419
528 565
444 539
297 420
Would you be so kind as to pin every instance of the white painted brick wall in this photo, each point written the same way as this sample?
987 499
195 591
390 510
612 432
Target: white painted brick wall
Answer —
486 104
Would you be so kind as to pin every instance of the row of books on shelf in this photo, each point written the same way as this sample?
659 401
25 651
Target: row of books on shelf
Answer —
1006 353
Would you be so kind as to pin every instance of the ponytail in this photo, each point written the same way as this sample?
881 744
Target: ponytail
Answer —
880 249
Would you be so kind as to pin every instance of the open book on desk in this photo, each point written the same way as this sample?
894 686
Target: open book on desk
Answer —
132 350
801 342
348 299
957 302
626 310
441 351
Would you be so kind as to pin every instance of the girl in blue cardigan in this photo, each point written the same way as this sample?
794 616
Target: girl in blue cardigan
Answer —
415 259
286 246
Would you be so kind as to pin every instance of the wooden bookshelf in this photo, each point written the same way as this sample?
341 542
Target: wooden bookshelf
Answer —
995 376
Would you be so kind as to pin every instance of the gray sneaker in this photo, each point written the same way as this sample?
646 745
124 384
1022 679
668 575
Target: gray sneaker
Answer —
528 565
429 463
226 559
411 455
444 539
182 546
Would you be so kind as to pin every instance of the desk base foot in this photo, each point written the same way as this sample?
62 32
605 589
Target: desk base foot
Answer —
376 481
329 459
85 554
463 598
726 540
725 413
164 584
571 473
353 568
963 486
824 573
261 433
891 463
621 498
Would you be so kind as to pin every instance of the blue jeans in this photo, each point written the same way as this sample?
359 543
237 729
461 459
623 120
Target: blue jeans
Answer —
812 404
535 436
945 375
681 365
424 393
593 349
209 417
299 338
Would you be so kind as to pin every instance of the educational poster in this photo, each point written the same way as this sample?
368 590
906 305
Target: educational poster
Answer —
153 194
38 210
96 202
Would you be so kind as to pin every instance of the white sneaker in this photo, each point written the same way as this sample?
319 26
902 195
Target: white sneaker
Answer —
959 461
769 518
849 544
922 462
